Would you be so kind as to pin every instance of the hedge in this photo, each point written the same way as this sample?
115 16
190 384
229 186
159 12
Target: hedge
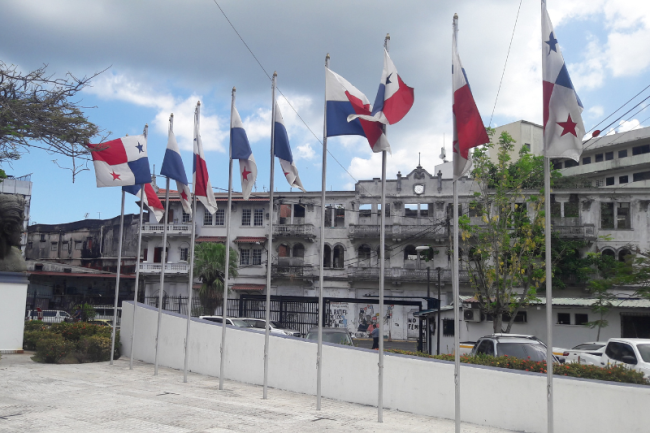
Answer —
612 373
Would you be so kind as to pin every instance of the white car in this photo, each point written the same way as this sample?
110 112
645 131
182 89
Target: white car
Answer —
233 321
276 328
589 353
633 352
49 316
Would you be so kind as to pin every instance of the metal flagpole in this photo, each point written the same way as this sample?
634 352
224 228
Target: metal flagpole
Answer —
227 264
191 277
163 258
137 277
117 279
270 245
319 354
382 251
456 292
549 295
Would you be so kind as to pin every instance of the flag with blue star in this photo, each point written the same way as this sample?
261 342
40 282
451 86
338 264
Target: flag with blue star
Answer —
563 127
121 162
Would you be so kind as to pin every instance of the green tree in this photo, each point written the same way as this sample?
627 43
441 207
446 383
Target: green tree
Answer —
209 267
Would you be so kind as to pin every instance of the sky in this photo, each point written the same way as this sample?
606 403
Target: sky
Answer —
162 57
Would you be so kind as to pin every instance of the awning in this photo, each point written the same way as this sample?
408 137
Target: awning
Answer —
249 287
249 240
218 239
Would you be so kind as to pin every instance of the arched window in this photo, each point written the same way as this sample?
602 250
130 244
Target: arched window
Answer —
299 251
364 253
327 257
609 253
339 257
473 255
622 255
283 250
410 253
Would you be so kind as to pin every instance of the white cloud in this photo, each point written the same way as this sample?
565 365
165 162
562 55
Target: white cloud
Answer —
625 126
304 151
590 73
596 111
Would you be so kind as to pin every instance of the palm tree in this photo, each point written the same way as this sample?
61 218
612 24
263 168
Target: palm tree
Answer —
210 269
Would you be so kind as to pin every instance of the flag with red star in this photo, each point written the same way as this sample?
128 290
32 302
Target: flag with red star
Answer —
282 151
121 162
173 168
240 149
563 127
151 199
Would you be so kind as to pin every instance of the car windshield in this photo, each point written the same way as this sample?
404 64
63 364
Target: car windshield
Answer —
589 346
536 352
644 350
241 323
332 337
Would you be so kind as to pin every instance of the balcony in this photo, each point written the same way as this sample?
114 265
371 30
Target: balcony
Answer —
398 232
291 267
305 231
170 268
573 228
172 229
399 275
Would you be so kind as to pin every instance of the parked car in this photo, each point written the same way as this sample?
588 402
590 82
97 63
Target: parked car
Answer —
234 321
49 316
586 353
276 327
514 345
332 335
633 352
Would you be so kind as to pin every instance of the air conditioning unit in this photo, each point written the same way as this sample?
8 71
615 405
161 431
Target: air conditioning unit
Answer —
472 315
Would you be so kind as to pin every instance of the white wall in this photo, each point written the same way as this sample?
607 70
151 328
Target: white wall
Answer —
13 292
490 396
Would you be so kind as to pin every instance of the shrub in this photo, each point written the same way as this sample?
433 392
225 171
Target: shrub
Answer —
95 348
75 331
30 338
53 349
613 373
35 325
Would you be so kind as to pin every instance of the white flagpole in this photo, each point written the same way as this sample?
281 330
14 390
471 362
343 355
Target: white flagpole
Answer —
137 277
382 248
319 355
549 295
163 258
269 249
197 116
117 279
227 264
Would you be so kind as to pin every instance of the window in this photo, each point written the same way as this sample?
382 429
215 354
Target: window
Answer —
364 255
327 256
339 256
258 219
623 216
78 245
609 181
527 146
339 216
599 157
622 255
572 207
450 210
207 218
184 254
571 163
475 209
556 207
447 327
621 352
411 210
365 210
298 211
170 216
599 183
64 245
486 348
581 319
640 150
285 214
607 215
42 238
609 156
622 153
622 179
186 217
557 165
246 217
563 318
586 160
387 210
245 257
54 246
220 217
257 256
638 177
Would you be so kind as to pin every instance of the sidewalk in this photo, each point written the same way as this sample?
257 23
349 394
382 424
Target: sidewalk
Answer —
101 398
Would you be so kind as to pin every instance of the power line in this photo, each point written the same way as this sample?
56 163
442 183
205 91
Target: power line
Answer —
615 111
619 118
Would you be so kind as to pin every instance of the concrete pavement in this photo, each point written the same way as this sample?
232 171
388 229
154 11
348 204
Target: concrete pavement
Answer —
102 398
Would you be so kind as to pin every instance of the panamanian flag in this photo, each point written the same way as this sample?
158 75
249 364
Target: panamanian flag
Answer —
469 131
202 186
172 167
342 100
394 98
282 150
121 162
151 199
563 127
240 149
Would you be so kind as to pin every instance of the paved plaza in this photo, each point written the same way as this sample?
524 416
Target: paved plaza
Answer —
102 398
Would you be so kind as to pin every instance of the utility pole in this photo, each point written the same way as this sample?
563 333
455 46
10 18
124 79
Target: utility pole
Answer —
438 324
428 297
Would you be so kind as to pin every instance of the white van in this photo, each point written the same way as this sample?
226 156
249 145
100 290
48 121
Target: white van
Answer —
49 316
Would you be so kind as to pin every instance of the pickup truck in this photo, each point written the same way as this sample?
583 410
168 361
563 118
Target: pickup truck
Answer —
633 352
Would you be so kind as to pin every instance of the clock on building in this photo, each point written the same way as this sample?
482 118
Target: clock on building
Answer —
418 189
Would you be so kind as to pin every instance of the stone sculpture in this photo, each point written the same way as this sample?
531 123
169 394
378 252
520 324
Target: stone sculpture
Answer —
12 217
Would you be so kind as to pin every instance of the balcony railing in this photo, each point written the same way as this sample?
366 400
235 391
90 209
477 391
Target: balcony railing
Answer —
573 228
295 230
172 229
402 274
170 268
398 232
292 271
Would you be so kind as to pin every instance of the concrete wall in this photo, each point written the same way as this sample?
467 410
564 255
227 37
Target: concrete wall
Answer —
13 292
493 397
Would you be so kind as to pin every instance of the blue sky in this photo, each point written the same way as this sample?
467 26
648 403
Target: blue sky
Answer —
166 55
